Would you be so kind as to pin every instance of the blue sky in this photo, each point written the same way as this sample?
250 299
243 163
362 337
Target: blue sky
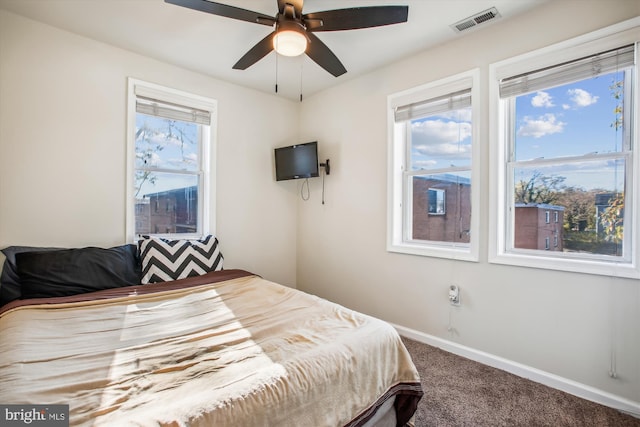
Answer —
569 120
572 120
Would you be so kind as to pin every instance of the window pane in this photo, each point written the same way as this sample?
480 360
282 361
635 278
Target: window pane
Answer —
571 120
441 207
436 200
579 204
442 140
166 203
166 144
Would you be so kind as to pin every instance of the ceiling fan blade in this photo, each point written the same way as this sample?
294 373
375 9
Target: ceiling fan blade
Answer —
323 56
256 53
355 18
297 6
225 10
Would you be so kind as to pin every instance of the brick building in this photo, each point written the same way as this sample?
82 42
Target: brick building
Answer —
442 213
172 211
538 226
442 208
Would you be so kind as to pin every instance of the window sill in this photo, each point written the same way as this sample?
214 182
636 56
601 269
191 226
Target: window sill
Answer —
603 268
444 251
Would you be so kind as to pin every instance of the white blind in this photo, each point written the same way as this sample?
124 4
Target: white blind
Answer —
429 107
168 110
580 69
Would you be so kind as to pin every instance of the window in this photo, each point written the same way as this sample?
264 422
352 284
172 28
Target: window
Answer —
432 146
566 145
436 201
170 138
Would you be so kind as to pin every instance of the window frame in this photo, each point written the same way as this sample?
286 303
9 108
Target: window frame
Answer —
397 159
602 40
206 170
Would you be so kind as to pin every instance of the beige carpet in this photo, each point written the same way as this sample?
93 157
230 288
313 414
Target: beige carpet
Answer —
461 392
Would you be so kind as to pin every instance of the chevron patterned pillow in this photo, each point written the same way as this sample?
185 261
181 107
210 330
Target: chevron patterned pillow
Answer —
164 260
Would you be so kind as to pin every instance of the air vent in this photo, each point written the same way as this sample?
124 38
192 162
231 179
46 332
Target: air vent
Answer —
477 19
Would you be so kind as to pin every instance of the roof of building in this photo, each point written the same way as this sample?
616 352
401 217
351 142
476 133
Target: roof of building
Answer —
540 206
172 191
446 177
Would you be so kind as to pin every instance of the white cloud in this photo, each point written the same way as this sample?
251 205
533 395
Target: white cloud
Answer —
542 99
543 125
425 164
439 131
155 160
157 139
437 138
462 115
448 150
582 98
181 163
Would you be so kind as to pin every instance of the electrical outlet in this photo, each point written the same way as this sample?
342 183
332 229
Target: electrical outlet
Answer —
454 295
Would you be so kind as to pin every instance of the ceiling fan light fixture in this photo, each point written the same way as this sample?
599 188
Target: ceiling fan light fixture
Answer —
290 41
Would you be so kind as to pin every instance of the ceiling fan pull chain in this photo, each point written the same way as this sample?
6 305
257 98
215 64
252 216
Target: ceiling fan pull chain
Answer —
276 73
301 68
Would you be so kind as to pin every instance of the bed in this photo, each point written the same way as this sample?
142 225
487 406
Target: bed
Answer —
219 347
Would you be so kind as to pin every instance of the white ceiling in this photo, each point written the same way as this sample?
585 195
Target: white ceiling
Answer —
211 44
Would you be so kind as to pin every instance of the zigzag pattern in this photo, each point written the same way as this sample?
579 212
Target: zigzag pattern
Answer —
164 260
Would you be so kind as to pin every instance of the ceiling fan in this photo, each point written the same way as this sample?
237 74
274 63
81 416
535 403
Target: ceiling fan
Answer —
294 31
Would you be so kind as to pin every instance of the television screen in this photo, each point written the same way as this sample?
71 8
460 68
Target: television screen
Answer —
297 161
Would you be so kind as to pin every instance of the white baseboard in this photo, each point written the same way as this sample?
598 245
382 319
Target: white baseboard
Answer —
572 387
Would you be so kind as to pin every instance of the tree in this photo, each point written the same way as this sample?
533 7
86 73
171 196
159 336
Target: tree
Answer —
145 151
617 94
612 218
539 189
151 140
580 210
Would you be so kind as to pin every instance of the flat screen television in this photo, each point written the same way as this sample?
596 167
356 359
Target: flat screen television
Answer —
297 161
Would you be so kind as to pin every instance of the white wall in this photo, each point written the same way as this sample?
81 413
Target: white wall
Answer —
63 149
561 323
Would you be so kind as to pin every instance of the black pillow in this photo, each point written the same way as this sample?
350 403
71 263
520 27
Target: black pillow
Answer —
75 271
9 280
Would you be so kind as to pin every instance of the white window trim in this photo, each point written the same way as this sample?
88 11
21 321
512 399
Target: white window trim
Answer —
395 164
626 32
207 209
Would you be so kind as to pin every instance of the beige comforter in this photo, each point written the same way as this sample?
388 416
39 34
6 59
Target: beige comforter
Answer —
240 352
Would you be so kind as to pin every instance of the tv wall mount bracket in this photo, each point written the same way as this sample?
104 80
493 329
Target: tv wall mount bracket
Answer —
326 166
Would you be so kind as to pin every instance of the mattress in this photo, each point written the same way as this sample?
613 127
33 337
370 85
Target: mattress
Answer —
228 348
